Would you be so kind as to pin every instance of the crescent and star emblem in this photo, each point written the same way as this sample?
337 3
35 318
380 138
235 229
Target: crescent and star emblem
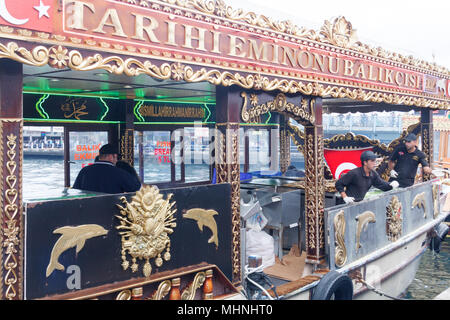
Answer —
8 17
346 166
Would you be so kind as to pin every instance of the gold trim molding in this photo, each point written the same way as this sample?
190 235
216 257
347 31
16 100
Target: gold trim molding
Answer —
61 57
280 104
10 229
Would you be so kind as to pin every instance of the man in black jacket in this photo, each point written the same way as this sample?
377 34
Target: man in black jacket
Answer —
354 185
104 176
405 160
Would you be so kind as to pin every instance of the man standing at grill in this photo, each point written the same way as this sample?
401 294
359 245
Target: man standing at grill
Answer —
104 176
404 162
354 185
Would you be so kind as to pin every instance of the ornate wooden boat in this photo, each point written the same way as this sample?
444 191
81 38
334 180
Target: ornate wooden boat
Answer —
156 76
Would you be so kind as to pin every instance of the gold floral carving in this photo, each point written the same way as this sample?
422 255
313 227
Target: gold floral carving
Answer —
349 136
340 256
285 156
10 230
221 166
228 171
394 219
162 291
58 57
148 222
126 143
189 292
314 194
124 295
235 205
427 147
339 33
305 111
39 56
435 192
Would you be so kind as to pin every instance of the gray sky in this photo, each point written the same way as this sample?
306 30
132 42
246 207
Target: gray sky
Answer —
420 28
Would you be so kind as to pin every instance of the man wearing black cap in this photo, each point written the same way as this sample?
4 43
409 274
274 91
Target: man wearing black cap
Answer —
404 162
104 176
354 185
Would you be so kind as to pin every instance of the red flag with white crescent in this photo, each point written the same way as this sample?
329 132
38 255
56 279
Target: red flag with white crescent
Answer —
342 161
27 14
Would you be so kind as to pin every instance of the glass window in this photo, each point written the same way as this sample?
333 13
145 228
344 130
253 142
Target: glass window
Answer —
197 154
242 149
259 153
43 161
297 158
436 145
83 148
156 156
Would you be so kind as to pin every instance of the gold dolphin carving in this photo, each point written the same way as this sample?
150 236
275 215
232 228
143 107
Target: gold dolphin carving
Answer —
420 202
71 237
363 221
204 218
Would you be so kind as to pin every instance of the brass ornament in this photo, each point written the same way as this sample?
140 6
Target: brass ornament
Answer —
394 219
10 229
340 256
314 193
419 201
204 218
303 112
228 171
148 222
71 237
189 292
162 291
124 295
59 56
339 33
435 191
363 221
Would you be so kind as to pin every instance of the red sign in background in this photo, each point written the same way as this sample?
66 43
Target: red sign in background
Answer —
27 14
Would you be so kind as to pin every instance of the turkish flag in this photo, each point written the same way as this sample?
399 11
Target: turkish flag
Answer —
28 14
342 161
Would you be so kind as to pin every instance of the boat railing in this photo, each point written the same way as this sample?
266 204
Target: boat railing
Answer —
358 229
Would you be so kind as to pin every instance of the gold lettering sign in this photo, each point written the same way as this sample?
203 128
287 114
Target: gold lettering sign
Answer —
74 108
121 22
166 111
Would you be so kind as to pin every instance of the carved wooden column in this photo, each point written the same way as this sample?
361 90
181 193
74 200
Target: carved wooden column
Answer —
11 137
126 138
314 188
426 131
227 163
285 145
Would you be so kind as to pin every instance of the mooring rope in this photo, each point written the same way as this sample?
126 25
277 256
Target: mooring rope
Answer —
361 280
